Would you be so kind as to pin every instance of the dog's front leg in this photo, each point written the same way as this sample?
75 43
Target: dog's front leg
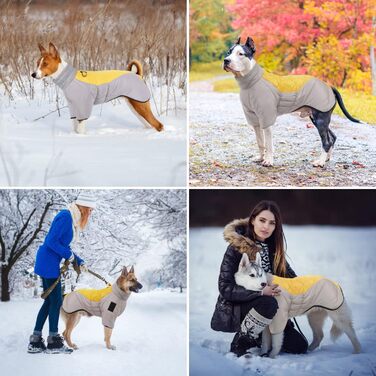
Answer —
268 157
107 338
277 340
79 126
266 343
260 142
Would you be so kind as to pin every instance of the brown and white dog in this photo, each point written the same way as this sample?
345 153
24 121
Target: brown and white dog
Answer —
107 303
83 89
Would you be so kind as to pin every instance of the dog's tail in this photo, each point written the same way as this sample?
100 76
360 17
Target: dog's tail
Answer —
138 66
342 105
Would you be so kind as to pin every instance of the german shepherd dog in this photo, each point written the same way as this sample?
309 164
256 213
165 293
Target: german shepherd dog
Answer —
108 303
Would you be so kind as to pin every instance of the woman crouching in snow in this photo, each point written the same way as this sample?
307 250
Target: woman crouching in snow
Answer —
249 312
57 246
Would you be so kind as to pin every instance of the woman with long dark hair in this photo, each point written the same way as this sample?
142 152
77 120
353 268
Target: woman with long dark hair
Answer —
57 245
247 312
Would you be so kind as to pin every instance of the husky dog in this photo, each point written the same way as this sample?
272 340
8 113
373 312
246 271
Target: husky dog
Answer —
315 296
107 303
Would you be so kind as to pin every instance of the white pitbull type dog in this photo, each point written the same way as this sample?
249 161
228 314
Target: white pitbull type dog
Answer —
264 96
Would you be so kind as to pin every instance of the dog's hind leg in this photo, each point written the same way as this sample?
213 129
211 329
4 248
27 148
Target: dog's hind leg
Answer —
321 120
342 322
144 114
71 322
316 320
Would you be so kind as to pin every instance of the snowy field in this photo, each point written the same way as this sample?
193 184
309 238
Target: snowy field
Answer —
150 338
117 149
346 255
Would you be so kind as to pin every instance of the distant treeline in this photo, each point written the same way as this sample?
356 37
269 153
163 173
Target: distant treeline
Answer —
298 207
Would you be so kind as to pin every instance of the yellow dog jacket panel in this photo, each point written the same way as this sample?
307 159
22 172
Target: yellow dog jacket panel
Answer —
107 303
84 89
298 285
286 84
264 96
300 294
99 77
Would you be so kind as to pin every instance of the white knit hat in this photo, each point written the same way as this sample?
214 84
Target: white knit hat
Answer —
85 199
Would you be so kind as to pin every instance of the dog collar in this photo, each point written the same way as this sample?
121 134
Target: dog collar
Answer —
253 76
65 77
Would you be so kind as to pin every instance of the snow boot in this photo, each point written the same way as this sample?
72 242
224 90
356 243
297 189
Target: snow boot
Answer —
242 343
36 344
55 345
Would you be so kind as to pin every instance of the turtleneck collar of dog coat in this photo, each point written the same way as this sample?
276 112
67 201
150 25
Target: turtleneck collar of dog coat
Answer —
83 89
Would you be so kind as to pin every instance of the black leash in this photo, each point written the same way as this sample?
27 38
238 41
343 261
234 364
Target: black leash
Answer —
296 323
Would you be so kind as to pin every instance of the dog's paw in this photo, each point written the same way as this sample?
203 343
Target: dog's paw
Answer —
267 162
111 347
272 355
318 163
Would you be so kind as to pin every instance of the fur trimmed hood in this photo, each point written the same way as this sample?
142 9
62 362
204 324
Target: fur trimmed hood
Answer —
235 234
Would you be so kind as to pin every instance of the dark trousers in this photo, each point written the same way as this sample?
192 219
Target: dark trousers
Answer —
50 307
293 341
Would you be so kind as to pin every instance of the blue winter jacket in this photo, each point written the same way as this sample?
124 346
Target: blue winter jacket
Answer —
56 246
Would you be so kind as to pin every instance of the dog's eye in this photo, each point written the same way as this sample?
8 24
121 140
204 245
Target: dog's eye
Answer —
252 275
240 54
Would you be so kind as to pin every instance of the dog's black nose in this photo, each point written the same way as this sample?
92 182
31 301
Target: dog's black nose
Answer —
33 75
263 284
227 61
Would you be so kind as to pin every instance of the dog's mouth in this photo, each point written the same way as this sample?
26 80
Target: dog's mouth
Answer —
136 288
227 68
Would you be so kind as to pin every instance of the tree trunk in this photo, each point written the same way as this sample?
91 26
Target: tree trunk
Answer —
5 296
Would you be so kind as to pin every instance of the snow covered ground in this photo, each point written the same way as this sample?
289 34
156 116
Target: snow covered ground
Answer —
150 338
116 151
346 255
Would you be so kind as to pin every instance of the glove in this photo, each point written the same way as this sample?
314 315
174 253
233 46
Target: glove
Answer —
83 268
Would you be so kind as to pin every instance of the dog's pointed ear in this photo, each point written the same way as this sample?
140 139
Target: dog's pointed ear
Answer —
124 272
41 49
238 41
243 262
258 259
251 44
52 50
132 269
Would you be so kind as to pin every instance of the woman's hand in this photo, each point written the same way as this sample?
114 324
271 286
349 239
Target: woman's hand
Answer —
271 290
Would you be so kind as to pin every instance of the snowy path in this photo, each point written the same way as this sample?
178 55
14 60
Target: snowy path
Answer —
150 338
222 147
116 151
335 256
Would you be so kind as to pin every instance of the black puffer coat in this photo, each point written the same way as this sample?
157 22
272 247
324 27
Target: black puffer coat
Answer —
226 317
